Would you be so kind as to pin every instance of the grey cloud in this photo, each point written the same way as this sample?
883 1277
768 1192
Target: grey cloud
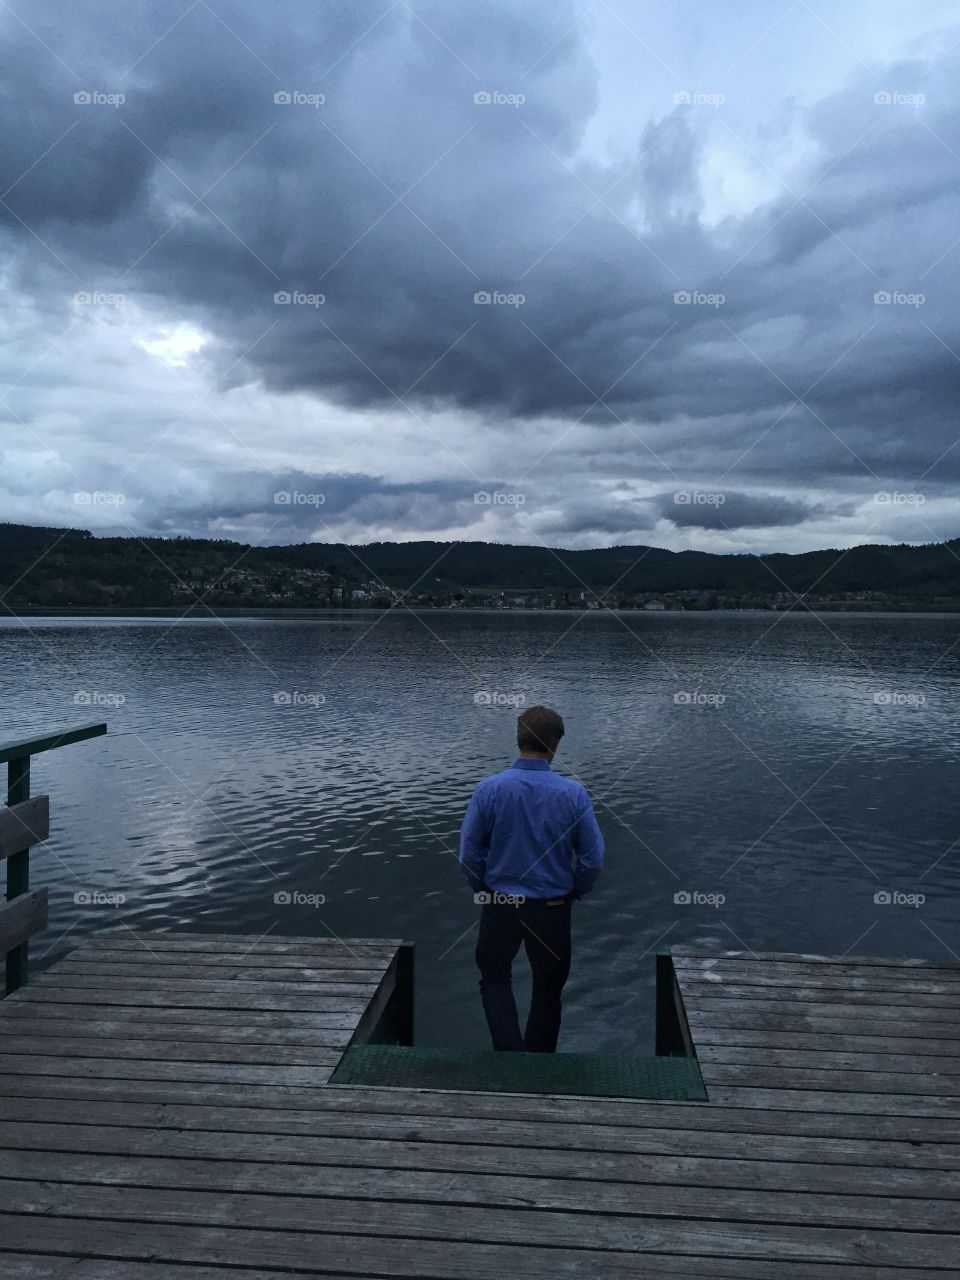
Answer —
715 509
297 505
575 519
305 199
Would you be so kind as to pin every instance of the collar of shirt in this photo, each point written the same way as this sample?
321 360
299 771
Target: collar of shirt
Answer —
521 763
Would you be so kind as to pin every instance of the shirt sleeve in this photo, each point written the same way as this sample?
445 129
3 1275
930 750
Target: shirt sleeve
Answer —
588 845
475 842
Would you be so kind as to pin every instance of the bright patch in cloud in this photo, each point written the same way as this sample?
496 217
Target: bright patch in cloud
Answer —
175 346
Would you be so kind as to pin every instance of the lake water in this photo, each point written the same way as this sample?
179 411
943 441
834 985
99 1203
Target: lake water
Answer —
780 770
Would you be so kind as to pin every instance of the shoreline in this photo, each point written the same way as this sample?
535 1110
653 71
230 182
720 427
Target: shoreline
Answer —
305 612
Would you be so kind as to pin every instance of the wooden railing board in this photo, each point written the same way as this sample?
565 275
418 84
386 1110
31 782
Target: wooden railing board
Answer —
21 918
24 825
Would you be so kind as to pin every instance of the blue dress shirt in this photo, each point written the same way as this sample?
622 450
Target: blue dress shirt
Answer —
531 832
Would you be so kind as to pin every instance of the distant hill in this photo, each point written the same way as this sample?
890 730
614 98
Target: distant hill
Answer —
47 568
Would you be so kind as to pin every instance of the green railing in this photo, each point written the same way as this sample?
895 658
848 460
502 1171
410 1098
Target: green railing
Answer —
26 824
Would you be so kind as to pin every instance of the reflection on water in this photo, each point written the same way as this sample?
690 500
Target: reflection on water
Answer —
795 765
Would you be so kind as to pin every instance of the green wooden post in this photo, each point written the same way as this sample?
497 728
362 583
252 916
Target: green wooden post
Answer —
16 755
405 994
18 868
669 1034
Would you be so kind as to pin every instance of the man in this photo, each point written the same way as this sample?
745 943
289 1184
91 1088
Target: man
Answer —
530 844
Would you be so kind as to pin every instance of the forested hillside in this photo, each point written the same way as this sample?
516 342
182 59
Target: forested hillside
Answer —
51 568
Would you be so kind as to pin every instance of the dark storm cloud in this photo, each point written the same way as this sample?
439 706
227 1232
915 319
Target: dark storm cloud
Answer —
400 198
711 509
296 505
610 519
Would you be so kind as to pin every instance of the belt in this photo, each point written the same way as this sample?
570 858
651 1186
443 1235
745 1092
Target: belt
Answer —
561 901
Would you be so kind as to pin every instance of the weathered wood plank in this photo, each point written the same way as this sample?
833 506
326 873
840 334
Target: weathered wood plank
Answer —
24 825
21 918
340 1255
272 944
223 984
750 1039
448 1152
789 957
85 1179
307 1222
148 970
142 1069
173 1051
234 997
807 977
882 970
912 1085
329 955
825 1059
735 1135
749 1116
829 1019
34 1267
723 1005
871 996
362 1259
25 1006
201 1032
836 1102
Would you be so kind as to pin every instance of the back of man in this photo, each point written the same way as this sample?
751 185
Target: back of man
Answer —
529 846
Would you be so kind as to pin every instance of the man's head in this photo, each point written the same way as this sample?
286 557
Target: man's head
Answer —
539 730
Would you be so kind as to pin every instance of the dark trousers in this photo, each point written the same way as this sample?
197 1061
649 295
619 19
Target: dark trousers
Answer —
545 932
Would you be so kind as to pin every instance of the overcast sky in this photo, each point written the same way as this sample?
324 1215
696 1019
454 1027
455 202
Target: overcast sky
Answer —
247 248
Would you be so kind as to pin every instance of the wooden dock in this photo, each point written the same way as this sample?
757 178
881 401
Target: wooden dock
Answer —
164 1116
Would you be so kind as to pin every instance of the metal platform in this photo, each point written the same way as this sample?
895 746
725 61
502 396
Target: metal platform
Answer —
587 1075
